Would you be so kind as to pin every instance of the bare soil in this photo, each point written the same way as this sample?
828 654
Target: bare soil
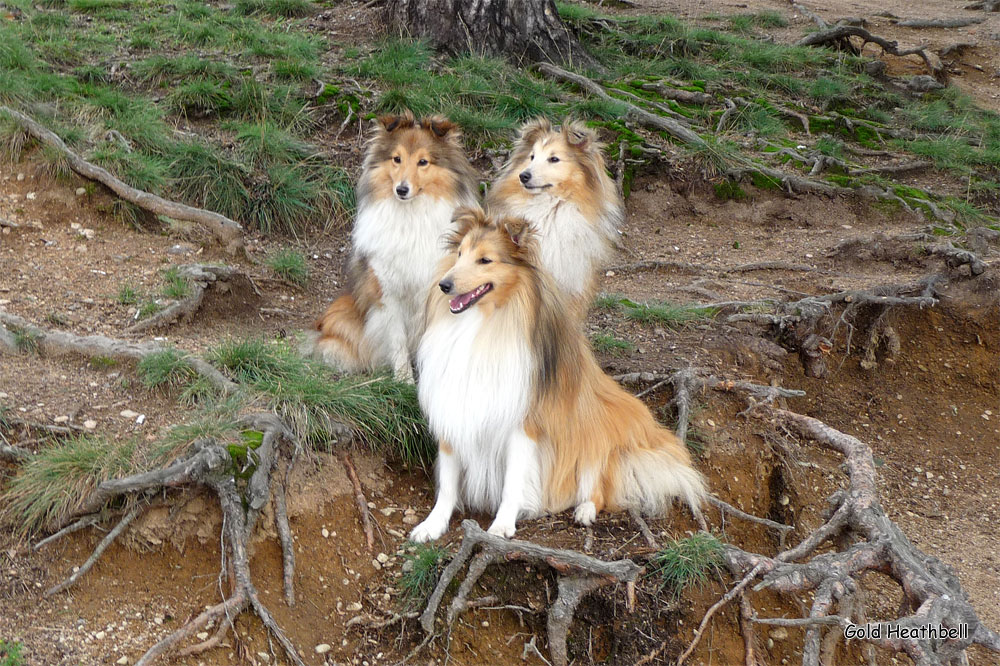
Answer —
931 413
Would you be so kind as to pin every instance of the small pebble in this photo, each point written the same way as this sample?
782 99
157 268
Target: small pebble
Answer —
322 648
326 533
80 191
353 607
90 424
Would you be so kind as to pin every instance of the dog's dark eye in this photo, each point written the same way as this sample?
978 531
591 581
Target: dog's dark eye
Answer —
422 162
553 159
396 159
532 156
486 260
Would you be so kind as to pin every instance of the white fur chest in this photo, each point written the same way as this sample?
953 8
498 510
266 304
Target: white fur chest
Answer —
403 244
570 247
475 393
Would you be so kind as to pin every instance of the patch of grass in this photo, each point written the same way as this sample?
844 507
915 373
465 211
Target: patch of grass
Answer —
827 145
383 412
275 8
25 341
166 368
421 570
11 653
176 286
53 483
605 301
667 314
92 6
148 309
289 265
759 120
827 89
683 563
102 362
605 343
127 295
204 97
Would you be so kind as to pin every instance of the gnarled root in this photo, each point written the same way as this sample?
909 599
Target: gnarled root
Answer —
578 574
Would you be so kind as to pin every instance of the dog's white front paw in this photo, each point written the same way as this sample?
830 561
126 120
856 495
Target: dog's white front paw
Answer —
502 528
429 530
585 514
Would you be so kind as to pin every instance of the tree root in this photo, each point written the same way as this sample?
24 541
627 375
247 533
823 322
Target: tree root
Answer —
578 575
209 465
199 277
939 23
929 586
359 498
62 342
228 232
841 34
651 120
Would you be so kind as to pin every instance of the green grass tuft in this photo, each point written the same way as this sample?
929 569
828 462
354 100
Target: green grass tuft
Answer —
605 343
51 485
383 412
686 562
11 653
421 570
290 266
127 295
176 286
275 8
26 342
668 314
166 368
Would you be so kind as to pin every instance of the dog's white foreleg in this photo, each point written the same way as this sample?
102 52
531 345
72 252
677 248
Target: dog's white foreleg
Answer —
520 476
448 477
586 510
386 331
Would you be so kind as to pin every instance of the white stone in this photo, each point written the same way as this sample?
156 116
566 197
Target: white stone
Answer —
122 661
382 558
128 414
201 635
61 419
80 191
353 607
326 533
90 424
322 648
75 226
100 635
30 196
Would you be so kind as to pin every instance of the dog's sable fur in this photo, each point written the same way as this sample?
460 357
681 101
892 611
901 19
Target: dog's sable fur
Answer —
557 180
415 174
527 422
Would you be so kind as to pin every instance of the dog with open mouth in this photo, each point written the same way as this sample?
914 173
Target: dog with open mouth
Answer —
526 421
415 175
557 180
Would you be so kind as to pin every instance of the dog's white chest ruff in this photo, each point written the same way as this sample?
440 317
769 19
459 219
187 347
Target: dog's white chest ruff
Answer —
475 391
570 247
402 242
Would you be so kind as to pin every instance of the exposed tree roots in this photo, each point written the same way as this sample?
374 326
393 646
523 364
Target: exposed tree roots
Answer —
578 576
841 36
208 464
199 277
864 539
228 232
62 342
359 498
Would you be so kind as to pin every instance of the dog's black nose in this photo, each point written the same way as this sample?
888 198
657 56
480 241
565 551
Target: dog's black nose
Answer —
525 176
402 190
446 285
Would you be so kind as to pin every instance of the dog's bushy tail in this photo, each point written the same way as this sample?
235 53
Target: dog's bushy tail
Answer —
337 337
650 477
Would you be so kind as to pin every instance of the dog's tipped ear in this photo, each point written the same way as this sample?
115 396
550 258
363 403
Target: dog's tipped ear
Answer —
442 128
391 123
518 230
579 135
465 220
533 129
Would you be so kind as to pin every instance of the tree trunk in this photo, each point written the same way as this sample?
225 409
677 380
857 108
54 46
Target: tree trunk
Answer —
518 29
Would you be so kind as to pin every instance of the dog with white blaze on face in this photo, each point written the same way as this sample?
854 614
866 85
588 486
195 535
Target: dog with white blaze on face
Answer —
415 175
557 180
526 420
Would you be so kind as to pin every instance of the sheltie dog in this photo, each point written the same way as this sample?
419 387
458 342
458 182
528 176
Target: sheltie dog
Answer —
526 421
556 179
415 174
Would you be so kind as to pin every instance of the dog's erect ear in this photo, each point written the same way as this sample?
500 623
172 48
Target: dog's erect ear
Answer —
391 123
579 135
443 129
465 220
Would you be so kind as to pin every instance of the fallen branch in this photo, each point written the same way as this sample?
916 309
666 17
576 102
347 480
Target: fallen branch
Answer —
986 5
228 232
61 342
96 555
359 497
678 95
198 277
578 575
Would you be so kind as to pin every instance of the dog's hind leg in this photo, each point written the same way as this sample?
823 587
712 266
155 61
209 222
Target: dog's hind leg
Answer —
449 475
520 484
